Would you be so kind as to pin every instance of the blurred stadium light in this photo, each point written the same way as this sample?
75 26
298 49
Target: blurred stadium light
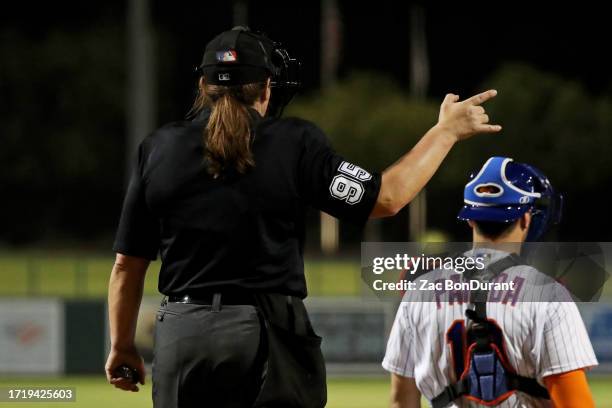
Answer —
141 78
240 13
331 45
419 82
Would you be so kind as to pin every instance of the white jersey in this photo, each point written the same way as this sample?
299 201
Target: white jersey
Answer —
540 338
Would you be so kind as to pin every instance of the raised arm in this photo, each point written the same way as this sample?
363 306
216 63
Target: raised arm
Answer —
124 297
403 180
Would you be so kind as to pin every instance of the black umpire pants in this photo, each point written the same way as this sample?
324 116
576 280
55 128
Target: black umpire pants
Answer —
207 358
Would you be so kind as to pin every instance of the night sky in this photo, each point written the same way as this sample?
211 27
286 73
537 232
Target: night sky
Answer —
465 42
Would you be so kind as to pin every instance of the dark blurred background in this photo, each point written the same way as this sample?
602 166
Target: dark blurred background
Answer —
82 82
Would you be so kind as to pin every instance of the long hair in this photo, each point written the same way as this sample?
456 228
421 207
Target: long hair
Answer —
227 136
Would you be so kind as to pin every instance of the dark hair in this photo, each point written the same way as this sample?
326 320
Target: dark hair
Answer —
493 229
227 136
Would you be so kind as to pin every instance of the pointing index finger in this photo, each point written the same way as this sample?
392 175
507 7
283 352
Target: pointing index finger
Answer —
482 97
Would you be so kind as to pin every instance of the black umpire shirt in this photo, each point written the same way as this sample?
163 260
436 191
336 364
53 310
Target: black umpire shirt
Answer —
244 231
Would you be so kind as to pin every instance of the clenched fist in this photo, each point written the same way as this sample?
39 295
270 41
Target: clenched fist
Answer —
130 358
467 118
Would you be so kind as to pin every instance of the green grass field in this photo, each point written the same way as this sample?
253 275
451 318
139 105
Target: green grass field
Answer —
86 275
94 392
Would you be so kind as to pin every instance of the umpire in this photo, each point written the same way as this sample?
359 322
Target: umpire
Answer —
222 198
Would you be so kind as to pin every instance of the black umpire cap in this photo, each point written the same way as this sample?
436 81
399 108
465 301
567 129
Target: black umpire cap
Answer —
237 57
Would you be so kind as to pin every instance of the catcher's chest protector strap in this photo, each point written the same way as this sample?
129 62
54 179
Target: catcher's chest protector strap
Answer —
488 378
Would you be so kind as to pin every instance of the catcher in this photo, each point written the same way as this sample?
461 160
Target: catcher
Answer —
487 349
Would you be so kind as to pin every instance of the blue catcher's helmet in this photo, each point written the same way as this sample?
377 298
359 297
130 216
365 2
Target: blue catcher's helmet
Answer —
504 190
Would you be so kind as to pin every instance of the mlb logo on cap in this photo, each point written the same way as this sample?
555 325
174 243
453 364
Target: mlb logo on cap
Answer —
227 56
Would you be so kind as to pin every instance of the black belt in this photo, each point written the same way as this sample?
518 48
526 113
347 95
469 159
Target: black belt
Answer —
222 298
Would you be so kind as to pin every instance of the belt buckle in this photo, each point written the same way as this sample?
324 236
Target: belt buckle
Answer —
183 299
